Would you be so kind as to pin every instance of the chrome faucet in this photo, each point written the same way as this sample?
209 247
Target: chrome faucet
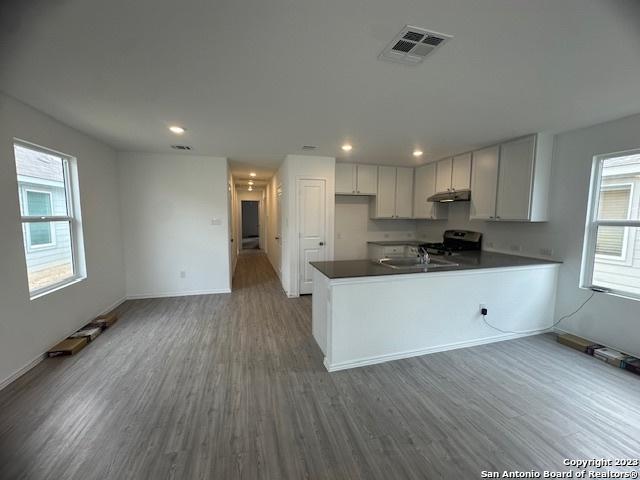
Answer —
423 255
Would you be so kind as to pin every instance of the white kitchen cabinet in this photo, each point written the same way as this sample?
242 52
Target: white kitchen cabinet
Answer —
484 183
510 181
395 193
352 179
367 179
453 173
443 175
404 192
345 178
461 172
424 185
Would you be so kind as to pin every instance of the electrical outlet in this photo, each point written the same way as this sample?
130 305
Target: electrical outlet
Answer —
386 235
489 244
547 252
483 306
339 236
516 248
183 274
409 235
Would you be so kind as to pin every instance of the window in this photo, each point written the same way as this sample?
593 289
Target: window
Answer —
611 259
51 224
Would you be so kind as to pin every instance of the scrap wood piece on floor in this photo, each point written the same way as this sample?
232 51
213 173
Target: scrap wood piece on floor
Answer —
89 333
68 346
104 321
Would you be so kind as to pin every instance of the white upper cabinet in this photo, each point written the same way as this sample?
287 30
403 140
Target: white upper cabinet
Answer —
352 179
424 185
367 179
453 173
484 183
461 172
395 193
345 178
515 179
443 175
404 192
510 181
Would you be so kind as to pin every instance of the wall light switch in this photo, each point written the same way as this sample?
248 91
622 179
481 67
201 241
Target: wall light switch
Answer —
546 251
216 221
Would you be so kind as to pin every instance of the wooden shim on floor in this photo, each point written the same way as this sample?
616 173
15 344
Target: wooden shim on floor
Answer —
68 346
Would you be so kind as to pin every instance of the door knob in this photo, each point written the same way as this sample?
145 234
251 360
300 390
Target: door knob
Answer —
321 244
277 238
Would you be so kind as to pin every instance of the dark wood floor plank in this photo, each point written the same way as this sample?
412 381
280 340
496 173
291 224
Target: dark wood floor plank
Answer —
232 386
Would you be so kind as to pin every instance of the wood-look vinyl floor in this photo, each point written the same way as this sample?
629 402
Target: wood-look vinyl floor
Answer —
232 386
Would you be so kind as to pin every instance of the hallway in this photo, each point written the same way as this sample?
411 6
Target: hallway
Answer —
232 386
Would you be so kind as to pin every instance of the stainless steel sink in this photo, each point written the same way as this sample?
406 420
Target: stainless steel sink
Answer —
413 263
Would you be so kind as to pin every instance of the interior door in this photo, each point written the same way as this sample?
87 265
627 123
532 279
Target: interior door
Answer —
484 183
312 229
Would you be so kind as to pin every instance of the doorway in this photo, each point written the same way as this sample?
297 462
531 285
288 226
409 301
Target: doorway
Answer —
250 224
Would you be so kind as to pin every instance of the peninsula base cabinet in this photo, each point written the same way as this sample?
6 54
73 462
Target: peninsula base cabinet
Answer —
395 193
510 181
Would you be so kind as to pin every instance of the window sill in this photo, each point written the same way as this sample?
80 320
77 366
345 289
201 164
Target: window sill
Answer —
614 293
56 287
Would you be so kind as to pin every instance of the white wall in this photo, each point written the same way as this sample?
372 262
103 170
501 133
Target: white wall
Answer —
169 204
610 320
30 327
354 228
274 252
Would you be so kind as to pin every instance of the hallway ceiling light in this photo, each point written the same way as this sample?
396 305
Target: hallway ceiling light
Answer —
250 182
417 153
252 174
347 147
178 130
250 189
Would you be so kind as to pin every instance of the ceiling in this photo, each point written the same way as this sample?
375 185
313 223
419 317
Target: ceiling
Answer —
254 80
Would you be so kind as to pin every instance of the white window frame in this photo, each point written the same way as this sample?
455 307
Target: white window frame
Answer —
73 218
591 230
621 259
52 235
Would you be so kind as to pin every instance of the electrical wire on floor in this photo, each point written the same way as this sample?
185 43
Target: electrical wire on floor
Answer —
593 292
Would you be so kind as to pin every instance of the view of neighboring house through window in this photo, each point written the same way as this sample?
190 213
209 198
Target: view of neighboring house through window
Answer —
612 250
49 227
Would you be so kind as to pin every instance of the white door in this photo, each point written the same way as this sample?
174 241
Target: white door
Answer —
345 178
367 180
443 175
514 179
404 192
312 229
461 172
484 183
386 198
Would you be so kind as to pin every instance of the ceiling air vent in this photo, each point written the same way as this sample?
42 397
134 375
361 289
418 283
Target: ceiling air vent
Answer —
412 45
309 147
181 147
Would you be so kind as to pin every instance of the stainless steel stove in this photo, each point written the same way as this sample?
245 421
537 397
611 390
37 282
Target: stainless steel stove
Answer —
455 241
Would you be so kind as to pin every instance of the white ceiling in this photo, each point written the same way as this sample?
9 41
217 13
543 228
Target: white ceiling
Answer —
253 80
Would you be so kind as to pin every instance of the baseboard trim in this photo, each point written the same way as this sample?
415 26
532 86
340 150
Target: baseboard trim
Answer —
362 362
21 371
178 294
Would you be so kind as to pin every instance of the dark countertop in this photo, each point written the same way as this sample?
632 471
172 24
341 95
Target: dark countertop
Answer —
391 243
466 261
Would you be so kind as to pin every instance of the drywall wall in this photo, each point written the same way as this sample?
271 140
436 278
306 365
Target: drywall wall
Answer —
175 223
30 327
354 228
606 319
273 211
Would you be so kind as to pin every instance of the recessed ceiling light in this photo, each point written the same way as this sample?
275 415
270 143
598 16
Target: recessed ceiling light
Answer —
417 153
250 182
176 129
250 189
347 147
252 174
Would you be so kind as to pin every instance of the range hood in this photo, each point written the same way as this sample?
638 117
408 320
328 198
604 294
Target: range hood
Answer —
453 196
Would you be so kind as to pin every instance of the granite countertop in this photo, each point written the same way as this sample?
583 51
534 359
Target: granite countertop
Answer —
465 260
390 243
